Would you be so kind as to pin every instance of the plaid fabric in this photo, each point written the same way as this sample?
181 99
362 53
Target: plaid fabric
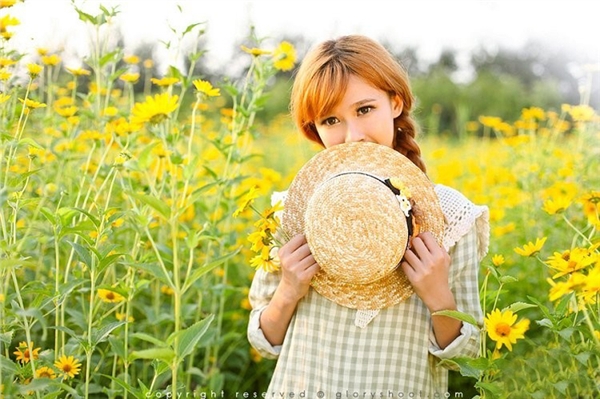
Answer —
325 355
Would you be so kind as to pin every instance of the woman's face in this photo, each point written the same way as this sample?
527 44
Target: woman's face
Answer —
365 113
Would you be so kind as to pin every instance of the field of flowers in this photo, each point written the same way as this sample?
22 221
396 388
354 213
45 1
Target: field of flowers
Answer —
124 223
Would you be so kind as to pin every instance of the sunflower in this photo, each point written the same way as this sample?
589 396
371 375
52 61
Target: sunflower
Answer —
68 366
247 200
501 328
557 205
572 260
205 87
265 261
531 249
26 352
34 70
165 81
45 372
498 260
284 56
31 103
155 109
109 296
130 77
7 3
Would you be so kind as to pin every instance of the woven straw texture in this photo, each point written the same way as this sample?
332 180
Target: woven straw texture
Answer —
359 238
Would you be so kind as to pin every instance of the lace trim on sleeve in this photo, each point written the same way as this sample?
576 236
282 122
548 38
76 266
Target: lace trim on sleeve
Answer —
460 215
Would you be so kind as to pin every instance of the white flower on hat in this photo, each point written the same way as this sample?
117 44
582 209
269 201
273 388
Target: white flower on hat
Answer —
403 196
404 204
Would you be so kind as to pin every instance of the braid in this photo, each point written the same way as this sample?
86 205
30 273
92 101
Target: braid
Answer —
404 140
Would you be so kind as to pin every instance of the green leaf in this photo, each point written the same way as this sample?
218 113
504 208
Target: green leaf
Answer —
164 354
21 177
518 306
52 218
561 386
542 307
545 322
8 263
84 253
468 367
190 27
188 339
566 333
7 365
71 333
113 56
144 159
175 72
85 17
64 387
6 337
117 346
583 357
507 279
123 384
153 269
36 385
107 261
93 218
150 338
117 73
455 314
563 304
202 270
155 203
31 142
101 334
492 389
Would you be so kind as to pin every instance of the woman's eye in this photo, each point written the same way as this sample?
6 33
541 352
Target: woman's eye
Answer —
332 120
364 110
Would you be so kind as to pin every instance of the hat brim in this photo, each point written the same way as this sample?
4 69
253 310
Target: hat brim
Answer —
378 160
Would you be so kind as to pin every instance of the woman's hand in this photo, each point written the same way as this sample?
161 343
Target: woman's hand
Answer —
427 266
298 267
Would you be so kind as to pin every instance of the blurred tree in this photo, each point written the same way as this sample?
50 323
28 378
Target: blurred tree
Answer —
536 62
447 61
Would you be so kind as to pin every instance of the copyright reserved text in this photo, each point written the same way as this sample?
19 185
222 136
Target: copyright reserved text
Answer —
304 394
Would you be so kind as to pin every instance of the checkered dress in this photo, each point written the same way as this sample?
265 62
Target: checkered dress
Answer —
326 355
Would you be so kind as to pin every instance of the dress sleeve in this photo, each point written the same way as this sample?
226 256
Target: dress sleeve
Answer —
467 240
465 287
262 289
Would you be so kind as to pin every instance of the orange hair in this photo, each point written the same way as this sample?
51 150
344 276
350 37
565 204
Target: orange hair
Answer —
322 78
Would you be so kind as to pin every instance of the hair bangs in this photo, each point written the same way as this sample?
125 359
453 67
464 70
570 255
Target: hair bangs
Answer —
326 89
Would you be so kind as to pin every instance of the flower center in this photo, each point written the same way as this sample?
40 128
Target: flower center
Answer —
503 329
156 119
110 296
67 368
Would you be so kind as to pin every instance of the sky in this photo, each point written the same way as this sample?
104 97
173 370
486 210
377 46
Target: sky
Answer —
428 25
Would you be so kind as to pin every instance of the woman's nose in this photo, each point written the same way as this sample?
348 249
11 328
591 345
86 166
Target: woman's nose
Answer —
354 134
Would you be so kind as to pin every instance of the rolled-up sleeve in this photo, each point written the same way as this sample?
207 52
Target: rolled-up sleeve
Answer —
261 291
464 283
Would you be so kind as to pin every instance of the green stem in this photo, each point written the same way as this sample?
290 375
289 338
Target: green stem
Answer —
579 233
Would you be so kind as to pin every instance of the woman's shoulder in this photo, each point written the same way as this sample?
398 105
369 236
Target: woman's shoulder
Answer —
461 216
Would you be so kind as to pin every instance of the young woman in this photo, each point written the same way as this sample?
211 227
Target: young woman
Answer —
353 90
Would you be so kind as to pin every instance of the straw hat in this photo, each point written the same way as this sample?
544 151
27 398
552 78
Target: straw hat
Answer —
358 205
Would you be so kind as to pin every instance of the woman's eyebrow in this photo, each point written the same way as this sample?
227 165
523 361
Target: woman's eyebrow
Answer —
364 101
